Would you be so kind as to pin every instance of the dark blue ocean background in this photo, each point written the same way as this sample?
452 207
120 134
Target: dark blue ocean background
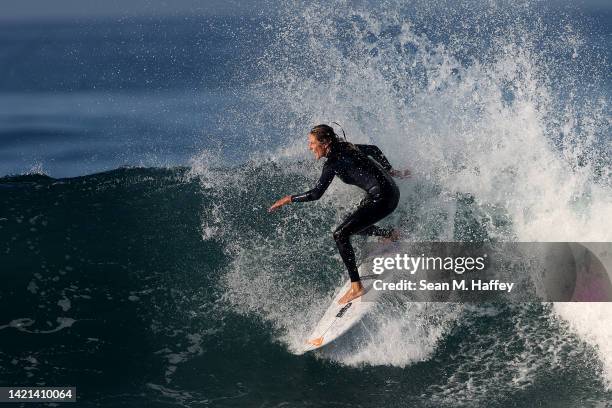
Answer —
138 156
83 96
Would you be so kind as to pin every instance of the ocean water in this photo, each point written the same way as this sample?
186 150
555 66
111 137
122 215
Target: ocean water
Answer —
139 157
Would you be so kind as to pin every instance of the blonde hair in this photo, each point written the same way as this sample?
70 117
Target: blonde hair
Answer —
325 134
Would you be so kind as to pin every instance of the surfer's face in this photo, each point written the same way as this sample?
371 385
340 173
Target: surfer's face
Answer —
319 149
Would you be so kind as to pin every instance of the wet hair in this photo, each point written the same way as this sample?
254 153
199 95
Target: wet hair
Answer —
325 134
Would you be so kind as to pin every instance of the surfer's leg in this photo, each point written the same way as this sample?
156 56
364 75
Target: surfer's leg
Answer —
376 231
342 238
359 222
354 223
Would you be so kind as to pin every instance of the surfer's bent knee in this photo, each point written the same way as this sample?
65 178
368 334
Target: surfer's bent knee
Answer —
339 235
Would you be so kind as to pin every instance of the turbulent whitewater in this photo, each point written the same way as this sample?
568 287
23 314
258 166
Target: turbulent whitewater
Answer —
180 284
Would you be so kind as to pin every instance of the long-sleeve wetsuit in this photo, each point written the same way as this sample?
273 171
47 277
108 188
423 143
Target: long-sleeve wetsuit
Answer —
366 167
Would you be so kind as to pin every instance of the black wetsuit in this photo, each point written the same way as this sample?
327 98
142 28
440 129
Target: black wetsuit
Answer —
353 166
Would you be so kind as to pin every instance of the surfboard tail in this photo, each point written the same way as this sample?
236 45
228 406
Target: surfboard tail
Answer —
316 341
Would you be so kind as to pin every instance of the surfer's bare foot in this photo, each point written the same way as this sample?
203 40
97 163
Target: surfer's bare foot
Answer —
395 235
354 292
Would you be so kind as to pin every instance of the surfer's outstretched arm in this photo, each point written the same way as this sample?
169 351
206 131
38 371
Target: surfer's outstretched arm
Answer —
311 195
327 175
280 202
402 174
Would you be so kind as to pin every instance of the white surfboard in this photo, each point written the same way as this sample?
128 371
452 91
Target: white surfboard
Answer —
339 319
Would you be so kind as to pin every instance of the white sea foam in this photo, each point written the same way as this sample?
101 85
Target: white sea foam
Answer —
593 322
494 127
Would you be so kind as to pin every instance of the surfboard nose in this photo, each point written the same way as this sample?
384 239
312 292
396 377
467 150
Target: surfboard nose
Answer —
316 342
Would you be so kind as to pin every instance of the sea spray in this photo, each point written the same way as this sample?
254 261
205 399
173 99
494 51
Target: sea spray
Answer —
502 121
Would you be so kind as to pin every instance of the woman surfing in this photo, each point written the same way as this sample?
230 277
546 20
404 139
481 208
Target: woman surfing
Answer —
366 167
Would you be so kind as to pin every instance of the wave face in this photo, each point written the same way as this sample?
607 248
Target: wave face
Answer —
502 114
175 286
154 286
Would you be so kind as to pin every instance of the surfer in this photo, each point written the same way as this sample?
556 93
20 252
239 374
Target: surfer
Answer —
366 167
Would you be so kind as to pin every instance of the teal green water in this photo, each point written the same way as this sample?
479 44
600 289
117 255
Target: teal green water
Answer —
173 287
112 284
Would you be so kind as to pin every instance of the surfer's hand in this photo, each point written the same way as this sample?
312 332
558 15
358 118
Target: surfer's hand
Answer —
401 174
283 201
